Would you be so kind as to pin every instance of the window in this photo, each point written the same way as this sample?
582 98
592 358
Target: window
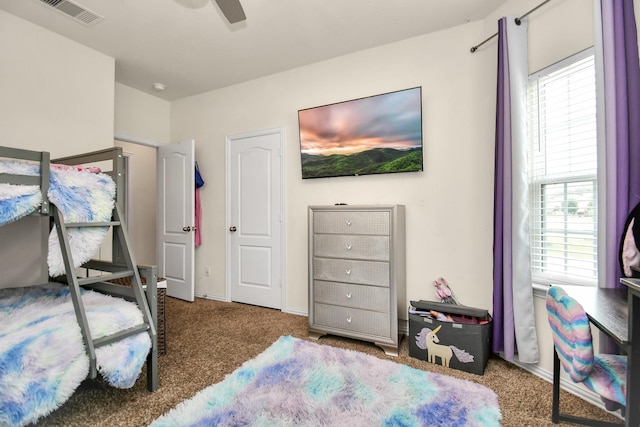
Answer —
563 185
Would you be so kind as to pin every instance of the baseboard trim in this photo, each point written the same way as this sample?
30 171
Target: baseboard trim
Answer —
207 296
222 299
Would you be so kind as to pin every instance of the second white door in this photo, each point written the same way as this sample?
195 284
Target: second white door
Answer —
176 218
255 218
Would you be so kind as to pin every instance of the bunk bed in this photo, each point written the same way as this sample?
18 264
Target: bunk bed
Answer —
115 324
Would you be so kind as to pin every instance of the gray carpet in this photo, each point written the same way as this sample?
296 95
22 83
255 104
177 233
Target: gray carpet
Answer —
206 340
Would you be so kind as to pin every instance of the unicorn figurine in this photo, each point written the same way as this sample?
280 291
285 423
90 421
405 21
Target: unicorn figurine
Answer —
428 340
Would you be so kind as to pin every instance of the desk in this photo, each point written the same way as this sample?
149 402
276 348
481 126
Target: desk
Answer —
633 351
612 312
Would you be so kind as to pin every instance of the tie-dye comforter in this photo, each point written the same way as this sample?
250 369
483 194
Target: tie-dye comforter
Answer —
42 355
79 194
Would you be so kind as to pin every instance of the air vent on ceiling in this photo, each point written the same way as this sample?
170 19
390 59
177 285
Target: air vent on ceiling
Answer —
75 11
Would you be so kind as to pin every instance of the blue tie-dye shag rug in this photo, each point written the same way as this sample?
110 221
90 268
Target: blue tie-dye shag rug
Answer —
298 383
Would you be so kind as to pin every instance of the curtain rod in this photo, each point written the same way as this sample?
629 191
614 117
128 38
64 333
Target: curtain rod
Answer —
474 48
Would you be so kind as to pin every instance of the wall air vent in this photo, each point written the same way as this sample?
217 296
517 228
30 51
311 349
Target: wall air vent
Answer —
75 11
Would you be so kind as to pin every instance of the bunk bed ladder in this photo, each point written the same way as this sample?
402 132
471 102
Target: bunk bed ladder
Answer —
126 269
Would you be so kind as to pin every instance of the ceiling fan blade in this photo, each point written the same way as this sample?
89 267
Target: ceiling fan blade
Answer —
232 10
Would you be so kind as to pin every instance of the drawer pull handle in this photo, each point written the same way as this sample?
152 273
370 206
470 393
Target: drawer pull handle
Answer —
348 272
349 296
348 223
348 319
348 247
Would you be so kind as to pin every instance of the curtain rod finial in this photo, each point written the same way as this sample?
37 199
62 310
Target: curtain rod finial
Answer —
473 49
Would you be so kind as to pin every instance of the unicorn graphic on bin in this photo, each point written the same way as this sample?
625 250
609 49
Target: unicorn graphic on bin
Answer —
428 340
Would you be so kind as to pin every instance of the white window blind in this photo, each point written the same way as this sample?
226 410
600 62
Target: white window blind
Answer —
563 172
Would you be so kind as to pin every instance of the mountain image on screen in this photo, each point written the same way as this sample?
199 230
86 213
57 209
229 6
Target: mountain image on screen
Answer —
377 160
373 135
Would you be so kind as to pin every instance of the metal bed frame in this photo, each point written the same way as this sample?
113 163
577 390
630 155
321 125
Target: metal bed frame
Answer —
99 273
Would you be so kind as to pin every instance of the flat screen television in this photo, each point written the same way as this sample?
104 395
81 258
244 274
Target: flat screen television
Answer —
372 135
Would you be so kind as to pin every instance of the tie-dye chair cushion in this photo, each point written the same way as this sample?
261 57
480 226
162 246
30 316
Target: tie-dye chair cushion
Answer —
605 374
608 378
571 333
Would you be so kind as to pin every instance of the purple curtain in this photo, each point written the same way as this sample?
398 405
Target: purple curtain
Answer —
622 124
502 306
513 330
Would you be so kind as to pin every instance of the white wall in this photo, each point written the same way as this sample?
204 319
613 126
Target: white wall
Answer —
142 118
449 205
56 95
59 95
142 200
449 209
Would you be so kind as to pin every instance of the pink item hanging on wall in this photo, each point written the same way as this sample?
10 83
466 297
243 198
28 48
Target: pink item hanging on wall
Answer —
198 219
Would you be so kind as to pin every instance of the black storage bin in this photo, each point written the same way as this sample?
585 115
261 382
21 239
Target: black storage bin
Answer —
458 345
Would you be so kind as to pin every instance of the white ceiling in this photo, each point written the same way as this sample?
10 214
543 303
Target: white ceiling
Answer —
190 47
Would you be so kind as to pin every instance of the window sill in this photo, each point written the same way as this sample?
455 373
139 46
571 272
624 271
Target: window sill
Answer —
540 290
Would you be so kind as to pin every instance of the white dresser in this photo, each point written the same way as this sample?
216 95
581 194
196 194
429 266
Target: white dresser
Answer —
357 272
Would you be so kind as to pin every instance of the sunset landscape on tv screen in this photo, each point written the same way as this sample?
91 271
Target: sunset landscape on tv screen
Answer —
373 135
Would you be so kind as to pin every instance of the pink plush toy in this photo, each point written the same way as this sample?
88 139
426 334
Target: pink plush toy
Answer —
444 292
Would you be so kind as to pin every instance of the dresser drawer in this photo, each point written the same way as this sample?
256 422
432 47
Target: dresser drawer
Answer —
352 222
357 272
372 298
351 246
353 319
349 271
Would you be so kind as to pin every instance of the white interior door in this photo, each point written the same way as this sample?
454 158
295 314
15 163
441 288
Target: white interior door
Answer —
176 199
255 218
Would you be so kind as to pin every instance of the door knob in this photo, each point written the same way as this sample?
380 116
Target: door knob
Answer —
186 228
233 229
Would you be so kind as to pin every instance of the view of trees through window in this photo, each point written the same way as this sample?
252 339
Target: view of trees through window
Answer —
563 171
